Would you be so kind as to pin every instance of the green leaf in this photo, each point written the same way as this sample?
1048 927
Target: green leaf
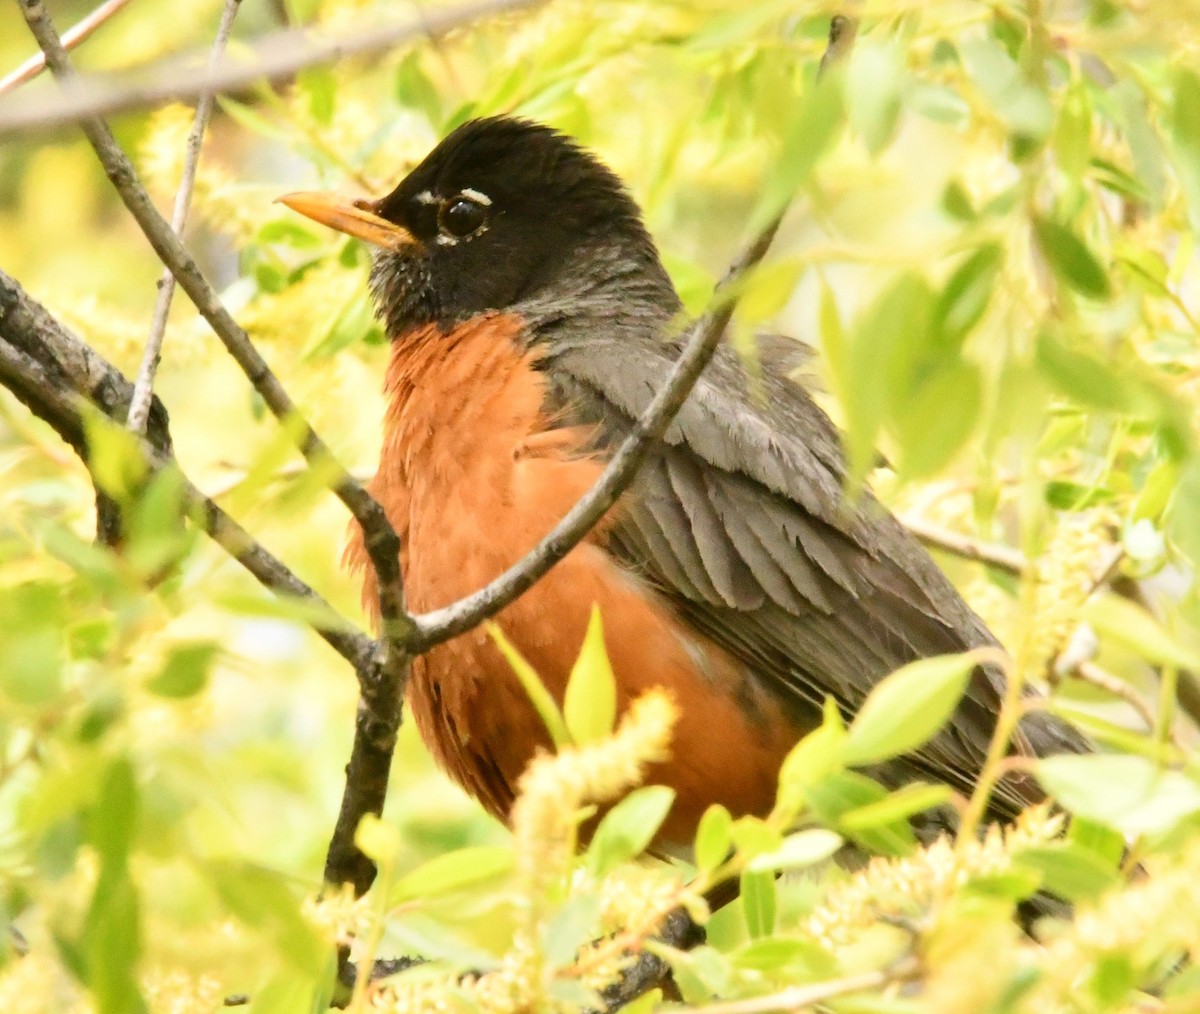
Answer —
801 849
1130 625
753 836
874 75
415 89
185 672
1082 377
572 926
713 838
775 953
534 687
454 871
758 902
1071 260
1185 139
907 708
814 758
1069 870
628 828
112 821
847 791
115 457
819 116
1020 104
348 326
966 296
767 290
936 419
1131 794
917 797
378 840
876 373
590 704
262 900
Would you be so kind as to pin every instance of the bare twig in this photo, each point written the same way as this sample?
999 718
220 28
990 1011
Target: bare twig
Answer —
277 57
142 389
1091 673
1004 558
381 543
72 37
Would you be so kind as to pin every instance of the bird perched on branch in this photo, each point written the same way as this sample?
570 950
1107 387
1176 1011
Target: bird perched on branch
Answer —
531 322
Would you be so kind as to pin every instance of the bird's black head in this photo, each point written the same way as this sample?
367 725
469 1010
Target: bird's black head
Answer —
502 213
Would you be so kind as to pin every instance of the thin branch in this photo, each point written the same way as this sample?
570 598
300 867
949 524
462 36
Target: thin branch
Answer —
799 997
379 538
72 37
278 57
442 624
1089 672
1005 558
139 407
54 373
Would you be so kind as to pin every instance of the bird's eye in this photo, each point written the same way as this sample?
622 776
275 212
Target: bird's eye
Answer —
461 217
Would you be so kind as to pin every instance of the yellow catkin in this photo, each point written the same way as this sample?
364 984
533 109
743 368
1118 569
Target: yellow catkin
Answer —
1065 576
552 791
176 991
910 885
1153 920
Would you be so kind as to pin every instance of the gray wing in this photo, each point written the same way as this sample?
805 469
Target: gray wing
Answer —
739 519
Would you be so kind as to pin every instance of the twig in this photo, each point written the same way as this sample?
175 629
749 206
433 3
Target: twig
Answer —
1004 558
1091 673
72 37
52 372
144 386
799 997
380 540
279 56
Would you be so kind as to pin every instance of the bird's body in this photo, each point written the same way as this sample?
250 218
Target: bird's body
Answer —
530 321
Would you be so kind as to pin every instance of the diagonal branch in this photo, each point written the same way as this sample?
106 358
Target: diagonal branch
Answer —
442 624
55 374
381 542
277 57
72 37
144 387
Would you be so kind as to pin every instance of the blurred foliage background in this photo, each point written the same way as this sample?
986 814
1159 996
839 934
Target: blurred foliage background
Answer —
993 249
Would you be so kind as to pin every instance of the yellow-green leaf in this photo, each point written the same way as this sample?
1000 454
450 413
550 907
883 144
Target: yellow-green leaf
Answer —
590 706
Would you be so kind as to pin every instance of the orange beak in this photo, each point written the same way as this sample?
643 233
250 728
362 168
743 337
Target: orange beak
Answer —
355 218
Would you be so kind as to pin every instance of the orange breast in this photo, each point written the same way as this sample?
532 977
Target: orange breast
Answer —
472 475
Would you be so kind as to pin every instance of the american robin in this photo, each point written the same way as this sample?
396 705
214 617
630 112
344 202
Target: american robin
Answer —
530 321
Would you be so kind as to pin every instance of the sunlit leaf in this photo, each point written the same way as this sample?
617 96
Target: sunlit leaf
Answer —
1131 794
1071 260
455 871
628 828
907 708
590 704
536 690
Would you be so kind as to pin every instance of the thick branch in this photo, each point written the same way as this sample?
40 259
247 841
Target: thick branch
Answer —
380 540
144 386
277 57
54 373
